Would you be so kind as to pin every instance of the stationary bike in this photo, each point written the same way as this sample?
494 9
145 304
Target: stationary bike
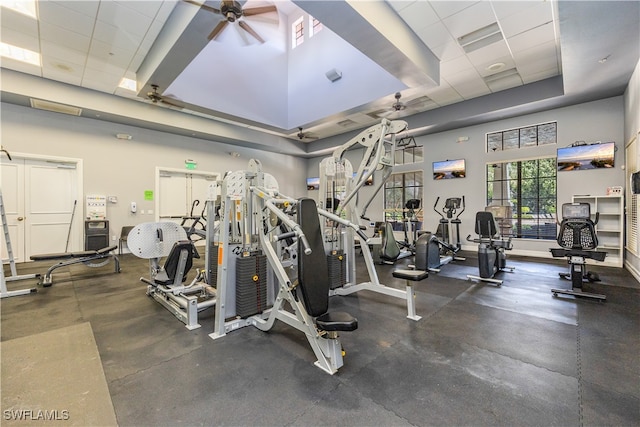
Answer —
491 248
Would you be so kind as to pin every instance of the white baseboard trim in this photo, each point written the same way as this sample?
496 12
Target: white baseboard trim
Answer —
634 272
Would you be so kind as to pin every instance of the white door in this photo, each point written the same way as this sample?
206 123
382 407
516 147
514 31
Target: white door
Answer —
39 200
177 190
12 188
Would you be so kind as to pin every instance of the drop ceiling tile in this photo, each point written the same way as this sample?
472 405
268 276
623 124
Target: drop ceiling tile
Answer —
470 90
60 36
57 51
448 51
505 83
435 34
105 66
51 64
18 22
87 8
147 8
541 75
470 19
54 73
98 80
419 15
150 37
113 36
488 53
527 19
444 95
504 9
448 8
455 66
20 39
165 10
124 18
533 57
399 5
531 38
57 14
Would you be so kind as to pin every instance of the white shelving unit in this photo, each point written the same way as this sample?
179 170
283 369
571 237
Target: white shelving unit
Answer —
610 226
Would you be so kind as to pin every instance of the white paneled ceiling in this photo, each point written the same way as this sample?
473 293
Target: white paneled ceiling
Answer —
93 44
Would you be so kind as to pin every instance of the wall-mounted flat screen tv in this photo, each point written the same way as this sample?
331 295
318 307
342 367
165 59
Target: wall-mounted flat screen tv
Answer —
448 169
313 183
583 157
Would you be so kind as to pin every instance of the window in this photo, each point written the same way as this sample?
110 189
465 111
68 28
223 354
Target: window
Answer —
529 136
399 188
297 32
408 152
314 26
529 187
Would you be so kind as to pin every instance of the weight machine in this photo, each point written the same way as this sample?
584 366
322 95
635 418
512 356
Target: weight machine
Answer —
339 188
267 260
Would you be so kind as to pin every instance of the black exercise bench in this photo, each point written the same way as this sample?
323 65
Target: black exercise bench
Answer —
87 258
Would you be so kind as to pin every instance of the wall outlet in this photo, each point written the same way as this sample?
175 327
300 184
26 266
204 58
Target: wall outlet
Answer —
114 238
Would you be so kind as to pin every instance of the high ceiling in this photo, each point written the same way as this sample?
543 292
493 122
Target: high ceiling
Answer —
454 63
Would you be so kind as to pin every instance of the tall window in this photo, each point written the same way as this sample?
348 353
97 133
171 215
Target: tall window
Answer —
297 32
314 26
529 189
399 188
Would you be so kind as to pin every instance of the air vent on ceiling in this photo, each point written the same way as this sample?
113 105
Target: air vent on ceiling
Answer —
510 73
55 107
378 113
346 122
480 38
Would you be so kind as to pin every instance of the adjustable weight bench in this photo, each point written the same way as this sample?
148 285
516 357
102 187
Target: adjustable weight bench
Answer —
89 258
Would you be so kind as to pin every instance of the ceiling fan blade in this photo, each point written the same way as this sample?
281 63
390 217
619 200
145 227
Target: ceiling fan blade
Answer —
216 31
243 35
250 30
172 103
203 6
259 10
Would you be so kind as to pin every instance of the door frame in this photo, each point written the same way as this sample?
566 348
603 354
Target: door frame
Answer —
161 169
78 227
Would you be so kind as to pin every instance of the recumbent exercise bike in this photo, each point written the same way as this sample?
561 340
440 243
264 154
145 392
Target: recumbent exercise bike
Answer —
577 238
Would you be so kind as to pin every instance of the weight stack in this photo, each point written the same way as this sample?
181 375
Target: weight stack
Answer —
251 285
337 262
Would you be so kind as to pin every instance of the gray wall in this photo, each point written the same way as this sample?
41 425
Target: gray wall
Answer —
122 168
594 121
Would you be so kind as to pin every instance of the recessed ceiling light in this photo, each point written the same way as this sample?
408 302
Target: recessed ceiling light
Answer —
128 84
496 66
19 54
26 7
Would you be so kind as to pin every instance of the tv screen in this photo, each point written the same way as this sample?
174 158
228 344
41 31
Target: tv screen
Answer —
448 169
584 157
313 183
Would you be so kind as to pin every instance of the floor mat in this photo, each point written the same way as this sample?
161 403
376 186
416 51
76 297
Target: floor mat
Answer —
55 377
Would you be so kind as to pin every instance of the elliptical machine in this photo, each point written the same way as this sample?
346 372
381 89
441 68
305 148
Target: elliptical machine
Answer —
435 250
491 248
410 224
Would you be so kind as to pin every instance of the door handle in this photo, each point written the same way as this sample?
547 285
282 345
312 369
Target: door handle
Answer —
20 218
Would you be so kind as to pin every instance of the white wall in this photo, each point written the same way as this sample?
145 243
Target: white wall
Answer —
632 130
594 121
126 169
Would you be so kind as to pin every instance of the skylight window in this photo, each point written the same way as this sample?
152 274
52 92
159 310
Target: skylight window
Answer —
315 26
19 54
297 32
26 7
128 84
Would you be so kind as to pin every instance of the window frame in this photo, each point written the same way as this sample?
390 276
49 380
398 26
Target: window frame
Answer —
398 214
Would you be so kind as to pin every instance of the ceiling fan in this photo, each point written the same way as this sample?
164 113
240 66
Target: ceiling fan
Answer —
305 136
232 11
155 97
399 106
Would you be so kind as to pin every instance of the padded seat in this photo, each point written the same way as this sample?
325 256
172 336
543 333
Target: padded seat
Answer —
414 275
336 321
